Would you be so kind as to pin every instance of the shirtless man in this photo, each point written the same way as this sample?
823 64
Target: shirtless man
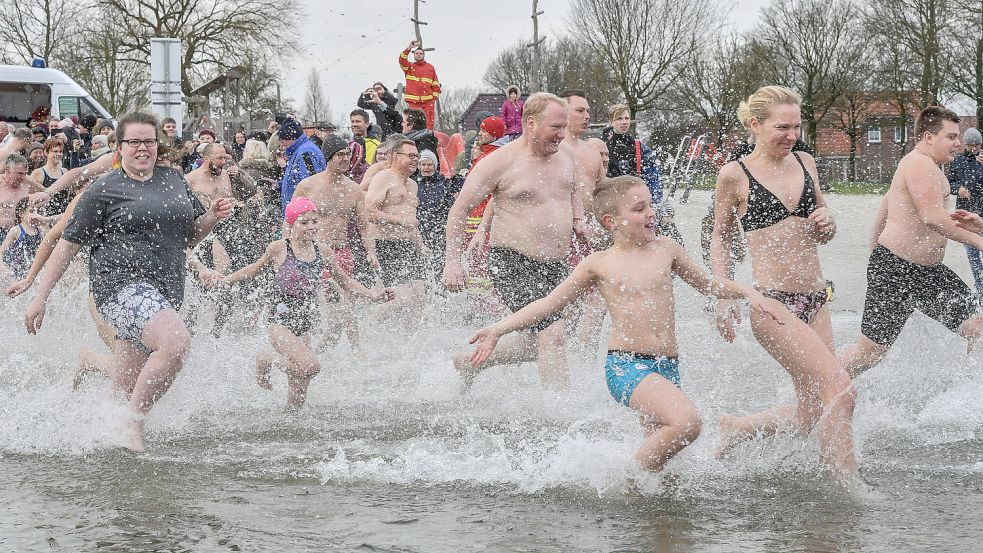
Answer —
15 185
602 148
391 204
340 203
382 156
233 247
911 230
588 171
537 209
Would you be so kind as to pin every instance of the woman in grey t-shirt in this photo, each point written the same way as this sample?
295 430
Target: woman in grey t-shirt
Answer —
138 220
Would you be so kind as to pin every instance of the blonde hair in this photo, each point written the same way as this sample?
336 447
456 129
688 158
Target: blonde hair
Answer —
758 104
616 110
537 104
609 192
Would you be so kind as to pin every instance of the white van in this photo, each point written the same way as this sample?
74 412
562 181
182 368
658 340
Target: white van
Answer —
23 89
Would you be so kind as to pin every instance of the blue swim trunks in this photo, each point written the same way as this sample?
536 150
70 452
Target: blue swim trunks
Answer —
624 370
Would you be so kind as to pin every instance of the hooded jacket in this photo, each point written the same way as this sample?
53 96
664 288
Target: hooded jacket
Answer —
512 112
303 160
422 85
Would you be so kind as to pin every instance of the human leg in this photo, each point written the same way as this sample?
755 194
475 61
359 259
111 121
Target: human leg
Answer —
518 347
824 394
551 357
669 417
298 361
976 266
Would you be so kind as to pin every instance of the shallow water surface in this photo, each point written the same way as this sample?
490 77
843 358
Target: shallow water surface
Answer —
387 456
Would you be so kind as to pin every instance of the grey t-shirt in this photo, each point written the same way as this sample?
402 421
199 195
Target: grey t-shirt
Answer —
137 231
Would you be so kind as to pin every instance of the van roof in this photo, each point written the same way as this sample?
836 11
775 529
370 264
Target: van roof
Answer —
33 75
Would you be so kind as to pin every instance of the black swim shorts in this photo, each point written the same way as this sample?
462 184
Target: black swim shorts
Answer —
399 262
896 287
521 280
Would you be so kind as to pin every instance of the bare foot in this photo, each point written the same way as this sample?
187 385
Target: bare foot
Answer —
730 435
264 364
90 361
133 435
462 364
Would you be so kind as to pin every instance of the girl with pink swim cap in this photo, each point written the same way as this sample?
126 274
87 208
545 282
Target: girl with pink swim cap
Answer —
294 311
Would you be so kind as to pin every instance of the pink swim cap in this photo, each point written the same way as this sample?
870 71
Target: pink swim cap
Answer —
297 206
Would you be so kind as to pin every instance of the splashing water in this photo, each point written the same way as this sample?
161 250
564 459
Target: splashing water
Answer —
387 456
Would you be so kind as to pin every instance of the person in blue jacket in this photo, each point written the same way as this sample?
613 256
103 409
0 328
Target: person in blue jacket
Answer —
965 175
303 159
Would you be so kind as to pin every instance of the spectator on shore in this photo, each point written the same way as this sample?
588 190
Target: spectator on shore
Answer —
436 194
512 111
965 175
303 159
238 144
422 85
415 129
382 104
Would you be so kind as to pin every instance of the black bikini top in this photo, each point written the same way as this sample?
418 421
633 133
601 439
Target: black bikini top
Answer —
764 209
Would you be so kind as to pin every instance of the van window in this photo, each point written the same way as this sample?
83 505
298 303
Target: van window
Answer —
86 108
19 100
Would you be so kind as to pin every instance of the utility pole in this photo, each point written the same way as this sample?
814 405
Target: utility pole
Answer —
419 38
536 42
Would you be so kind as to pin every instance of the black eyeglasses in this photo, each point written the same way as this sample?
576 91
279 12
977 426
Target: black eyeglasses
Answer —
411 156
136 142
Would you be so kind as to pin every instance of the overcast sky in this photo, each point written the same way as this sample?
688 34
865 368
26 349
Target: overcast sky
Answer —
356 45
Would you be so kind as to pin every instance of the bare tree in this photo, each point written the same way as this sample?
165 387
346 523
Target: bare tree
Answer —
967 67
813 46
212 32
35 28
316 107
643 43
916 36
96 62
453 103
564 66
853 107
715 79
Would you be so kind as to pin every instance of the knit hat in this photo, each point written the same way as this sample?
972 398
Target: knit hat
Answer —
88 121
427 154
66 123
494 126
333 144
297 207
972 136
289 130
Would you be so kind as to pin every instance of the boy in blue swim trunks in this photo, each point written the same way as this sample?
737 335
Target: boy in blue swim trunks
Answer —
634 277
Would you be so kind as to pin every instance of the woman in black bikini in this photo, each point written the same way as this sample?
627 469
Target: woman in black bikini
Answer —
773 194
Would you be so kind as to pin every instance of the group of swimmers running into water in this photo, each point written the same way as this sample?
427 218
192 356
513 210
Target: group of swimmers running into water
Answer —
549 189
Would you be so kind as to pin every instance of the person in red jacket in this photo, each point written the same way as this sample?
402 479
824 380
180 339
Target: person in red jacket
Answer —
422 86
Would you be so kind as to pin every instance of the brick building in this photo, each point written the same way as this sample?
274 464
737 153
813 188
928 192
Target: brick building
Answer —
884 138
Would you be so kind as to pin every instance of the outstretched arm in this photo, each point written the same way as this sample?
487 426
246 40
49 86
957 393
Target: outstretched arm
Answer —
250 271
929 204
722 288
582 278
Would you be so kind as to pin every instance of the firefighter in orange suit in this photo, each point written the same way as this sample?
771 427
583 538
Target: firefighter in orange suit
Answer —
422 86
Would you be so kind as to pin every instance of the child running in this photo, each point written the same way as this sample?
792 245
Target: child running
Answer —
21 243
634 277
293 306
